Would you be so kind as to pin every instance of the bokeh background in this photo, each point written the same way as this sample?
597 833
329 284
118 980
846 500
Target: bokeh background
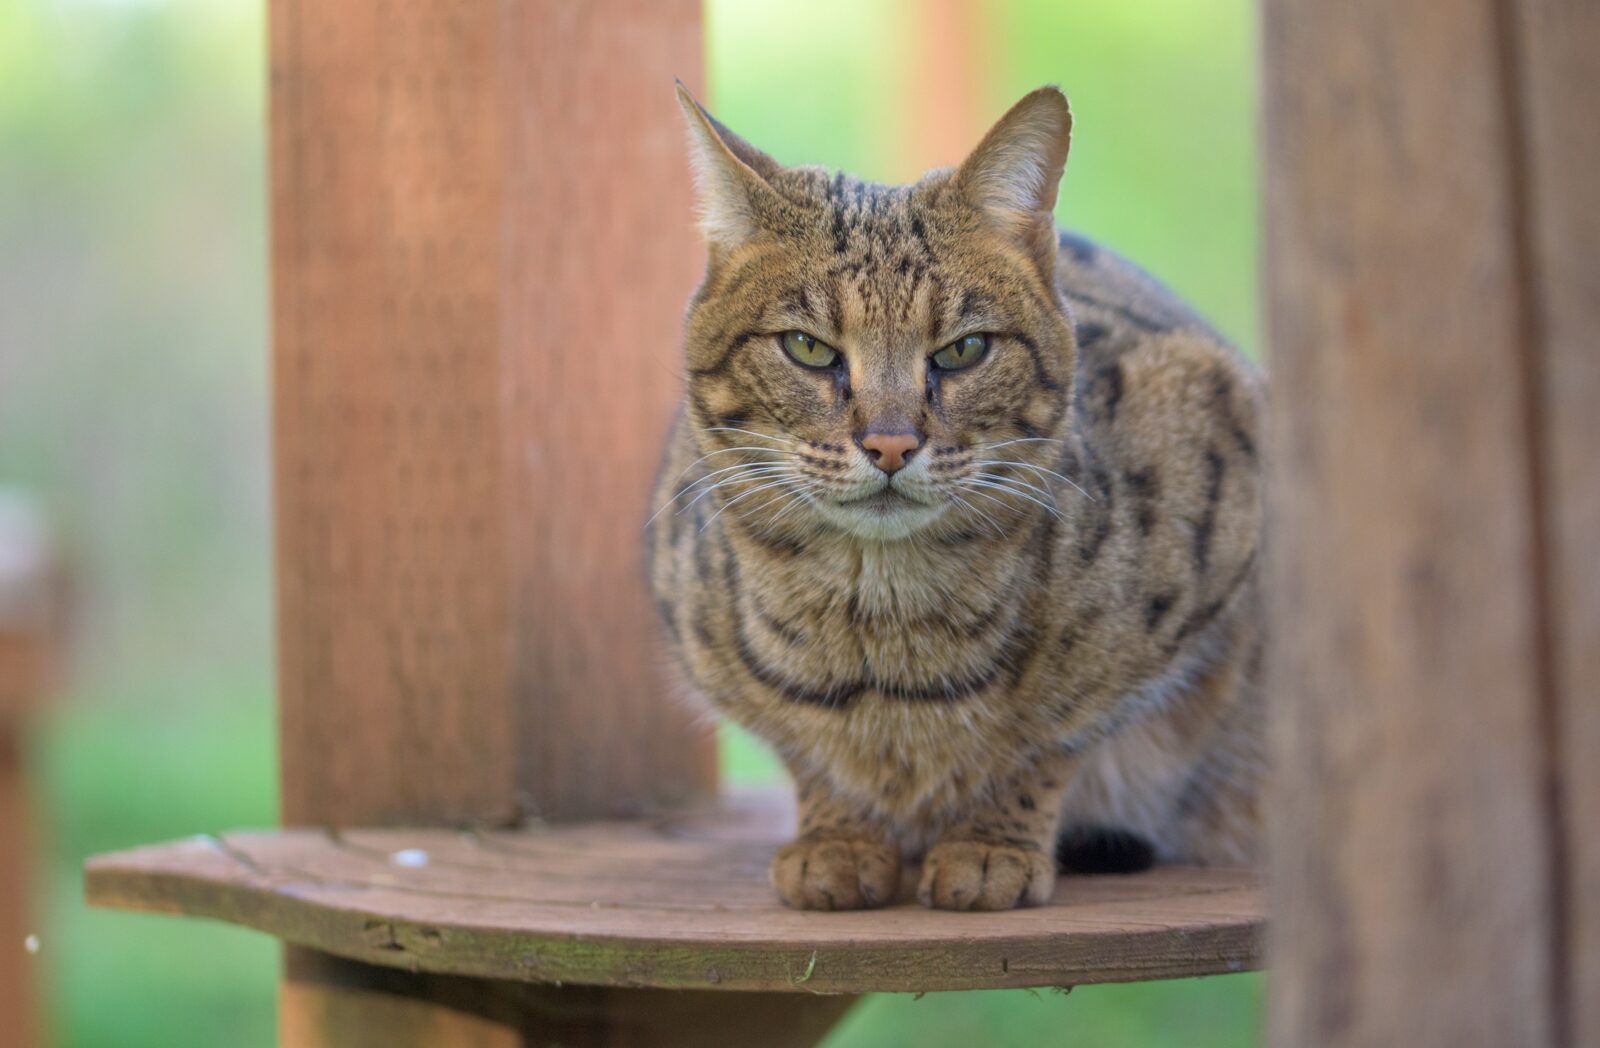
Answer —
133 405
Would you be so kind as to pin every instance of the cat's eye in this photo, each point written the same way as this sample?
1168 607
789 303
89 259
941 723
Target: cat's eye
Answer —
962 353
807 350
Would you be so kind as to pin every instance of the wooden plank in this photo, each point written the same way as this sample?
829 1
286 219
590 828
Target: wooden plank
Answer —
667 905
1413 859
482 246
1555 43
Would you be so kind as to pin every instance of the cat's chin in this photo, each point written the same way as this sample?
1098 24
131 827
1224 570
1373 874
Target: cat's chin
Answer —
882 517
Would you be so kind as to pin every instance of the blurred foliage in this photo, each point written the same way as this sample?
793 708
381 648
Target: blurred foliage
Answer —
133 399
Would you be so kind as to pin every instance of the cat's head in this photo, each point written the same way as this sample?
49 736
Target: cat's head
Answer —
882 359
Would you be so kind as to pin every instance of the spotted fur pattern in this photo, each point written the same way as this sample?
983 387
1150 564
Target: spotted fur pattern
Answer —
1049 617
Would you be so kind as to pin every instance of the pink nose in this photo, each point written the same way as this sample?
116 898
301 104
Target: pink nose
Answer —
889 451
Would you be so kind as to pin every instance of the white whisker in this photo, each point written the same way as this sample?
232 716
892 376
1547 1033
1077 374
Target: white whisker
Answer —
1037 470
995 483
781 482
754 473
749 433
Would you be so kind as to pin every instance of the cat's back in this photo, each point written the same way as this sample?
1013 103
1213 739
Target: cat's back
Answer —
1171 416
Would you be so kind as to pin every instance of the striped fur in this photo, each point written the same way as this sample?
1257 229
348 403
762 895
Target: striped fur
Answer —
1055 620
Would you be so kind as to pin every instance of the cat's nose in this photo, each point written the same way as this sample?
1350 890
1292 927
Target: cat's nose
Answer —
889 451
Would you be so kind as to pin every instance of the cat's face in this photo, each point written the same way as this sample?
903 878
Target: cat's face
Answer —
882 360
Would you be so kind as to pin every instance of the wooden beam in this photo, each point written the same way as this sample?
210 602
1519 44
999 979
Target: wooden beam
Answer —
481 249
1553 45
1432 273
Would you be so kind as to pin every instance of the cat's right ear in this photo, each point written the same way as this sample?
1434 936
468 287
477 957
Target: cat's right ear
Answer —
730 177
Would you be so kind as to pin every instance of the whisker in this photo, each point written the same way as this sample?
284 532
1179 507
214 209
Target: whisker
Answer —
1018 440
1039 470
748 433
781 482
981 514
724 451
994 483
754 473
687 488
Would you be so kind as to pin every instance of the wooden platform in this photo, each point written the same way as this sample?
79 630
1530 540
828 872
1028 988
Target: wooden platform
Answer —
680 902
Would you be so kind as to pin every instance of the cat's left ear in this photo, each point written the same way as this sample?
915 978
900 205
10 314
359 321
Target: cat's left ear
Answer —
1013 175
730 176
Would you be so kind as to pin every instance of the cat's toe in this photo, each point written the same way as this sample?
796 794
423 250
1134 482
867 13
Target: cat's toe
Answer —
836 874
978 875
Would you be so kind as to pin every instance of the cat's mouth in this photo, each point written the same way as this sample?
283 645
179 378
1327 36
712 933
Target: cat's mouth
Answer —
885 500
886 513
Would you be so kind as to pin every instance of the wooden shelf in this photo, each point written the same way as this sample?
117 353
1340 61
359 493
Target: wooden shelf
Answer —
669 902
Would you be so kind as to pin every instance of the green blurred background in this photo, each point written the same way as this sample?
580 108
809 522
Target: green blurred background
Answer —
133 327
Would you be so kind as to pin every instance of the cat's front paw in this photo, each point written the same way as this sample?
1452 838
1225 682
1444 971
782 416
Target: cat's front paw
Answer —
833 873
979 875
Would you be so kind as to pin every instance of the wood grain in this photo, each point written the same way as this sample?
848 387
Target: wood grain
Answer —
1554 44
1431 277
481 250
679 903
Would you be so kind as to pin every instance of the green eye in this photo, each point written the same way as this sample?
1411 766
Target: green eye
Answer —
808 351
962 353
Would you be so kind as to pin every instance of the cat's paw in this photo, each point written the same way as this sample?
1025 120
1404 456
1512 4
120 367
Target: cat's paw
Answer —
833 873
978 875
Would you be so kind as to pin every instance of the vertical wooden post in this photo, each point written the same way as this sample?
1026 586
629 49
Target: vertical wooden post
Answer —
29 618
1555 45
1433 278
482 245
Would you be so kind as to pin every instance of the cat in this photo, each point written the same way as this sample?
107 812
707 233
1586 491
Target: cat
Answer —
961 517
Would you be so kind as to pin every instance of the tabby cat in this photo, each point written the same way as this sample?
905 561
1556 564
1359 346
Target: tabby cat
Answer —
961 516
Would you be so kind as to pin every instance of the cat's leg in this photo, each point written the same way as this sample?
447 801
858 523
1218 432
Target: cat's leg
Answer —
1002 855
843 858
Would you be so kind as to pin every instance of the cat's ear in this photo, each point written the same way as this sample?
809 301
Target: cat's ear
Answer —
730 176
1013 175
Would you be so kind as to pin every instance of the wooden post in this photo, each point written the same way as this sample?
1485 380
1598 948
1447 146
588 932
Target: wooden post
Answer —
1433 278
482 247
29 620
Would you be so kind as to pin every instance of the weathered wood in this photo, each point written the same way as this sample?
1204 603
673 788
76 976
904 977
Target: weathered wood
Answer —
1553 47
676 902
1431 270
485 1013
481 248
